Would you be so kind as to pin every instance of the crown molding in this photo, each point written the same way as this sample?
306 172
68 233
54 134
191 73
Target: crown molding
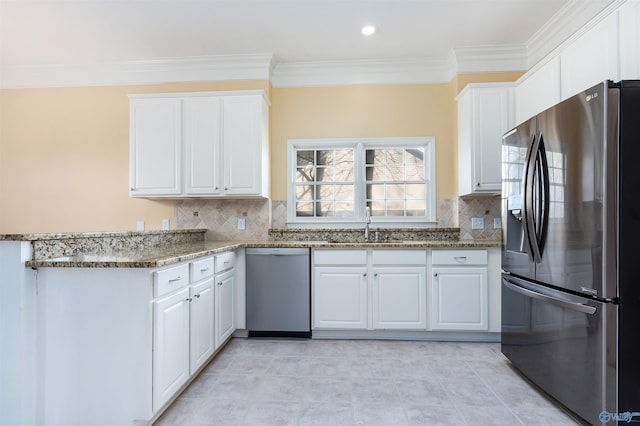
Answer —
511 57
362 71
145 71
562 27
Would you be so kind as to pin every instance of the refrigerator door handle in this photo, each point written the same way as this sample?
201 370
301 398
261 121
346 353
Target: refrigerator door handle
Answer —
529 199
579 307
527 196
542 216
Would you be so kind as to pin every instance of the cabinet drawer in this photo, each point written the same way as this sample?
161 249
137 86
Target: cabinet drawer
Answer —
399 257
225 261
459 257
170 279
340 257
201 268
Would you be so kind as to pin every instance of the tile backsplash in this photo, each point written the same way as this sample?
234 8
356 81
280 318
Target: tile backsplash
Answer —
220 217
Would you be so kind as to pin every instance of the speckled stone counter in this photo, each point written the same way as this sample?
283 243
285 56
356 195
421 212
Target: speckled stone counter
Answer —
153 249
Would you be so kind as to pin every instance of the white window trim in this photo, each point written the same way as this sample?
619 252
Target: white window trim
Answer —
360 144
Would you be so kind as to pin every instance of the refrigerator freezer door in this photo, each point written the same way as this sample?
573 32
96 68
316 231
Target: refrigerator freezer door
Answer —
559 342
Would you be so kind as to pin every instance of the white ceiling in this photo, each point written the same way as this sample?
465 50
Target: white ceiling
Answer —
51 35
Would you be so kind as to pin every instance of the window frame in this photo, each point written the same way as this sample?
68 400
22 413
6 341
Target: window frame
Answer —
360 145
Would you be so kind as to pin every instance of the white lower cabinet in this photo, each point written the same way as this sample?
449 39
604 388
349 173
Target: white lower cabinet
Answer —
225 323
170 345
340 297
459 290
399 298
356 290
202 318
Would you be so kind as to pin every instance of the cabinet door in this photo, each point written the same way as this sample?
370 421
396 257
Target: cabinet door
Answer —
340 297
538 91
202 336
591 59
155 147
459 299
399 298
170 346
225 307
629 37
242 145
202 121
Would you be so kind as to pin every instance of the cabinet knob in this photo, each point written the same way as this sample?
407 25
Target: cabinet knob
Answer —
375 275
364 275
197 296
435 275
216 188
220 283
226 188
188 299
478 184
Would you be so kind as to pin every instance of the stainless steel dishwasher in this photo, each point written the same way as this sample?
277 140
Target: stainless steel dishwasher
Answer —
278 292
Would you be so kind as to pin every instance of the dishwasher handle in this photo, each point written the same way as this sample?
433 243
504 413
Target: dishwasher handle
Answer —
277 251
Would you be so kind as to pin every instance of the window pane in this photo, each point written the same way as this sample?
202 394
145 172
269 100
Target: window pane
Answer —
304 209
305 175
395 156
304 192
375 191
395 191
325 158
375 173
416 207
415 172
324 174
305 158
415 157
345 193
324 208
344 209
324 192
394 173
374 156
377 207
343 175
415 191
395 207
344 158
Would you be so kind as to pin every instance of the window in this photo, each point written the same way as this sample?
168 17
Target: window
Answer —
334 180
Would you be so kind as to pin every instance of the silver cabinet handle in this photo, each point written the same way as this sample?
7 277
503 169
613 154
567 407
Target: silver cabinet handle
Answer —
226 262
173 280
204 269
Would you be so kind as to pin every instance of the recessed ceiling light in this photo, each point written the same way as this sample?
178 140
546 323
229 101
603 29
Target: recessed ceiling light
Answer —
368 30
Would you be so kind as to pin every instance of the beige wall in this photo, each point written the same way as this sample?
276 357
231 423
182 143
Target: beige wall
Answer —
364 111
64 151
64 158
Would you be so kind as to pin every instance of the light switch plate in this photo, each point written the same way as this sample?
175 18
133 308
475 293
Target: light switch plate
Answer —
497 222
140 225
477 223
241 223
165 224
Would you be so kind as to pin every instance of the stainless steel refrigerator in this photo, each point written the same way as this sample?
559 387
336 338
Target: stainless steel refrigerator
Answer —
571 252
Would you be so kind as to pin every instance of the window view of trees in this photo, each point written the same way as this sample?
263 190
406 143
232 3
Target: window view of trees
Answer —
392 181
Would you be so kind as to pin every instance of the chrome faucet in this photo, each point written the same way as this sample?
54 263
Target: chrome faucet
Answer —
367 222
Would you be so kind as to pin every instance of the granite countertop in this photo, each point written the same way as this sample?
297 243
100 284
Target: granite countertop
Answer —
167 255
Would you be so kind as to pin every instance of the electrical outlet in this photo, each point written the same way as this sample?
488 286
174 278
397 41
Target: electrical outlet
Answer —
140 225
477 223
241 223
497 222
165 224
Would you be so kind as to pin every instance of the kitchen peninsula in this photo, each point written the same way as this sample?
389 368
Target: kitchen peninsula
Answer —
91 311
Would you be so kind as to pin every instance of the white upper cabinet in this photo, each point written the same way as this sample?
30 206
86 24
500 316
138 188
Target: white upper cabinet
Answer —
205 144
629 39
202 145
245 142
538 90
591 58
485 113
155 147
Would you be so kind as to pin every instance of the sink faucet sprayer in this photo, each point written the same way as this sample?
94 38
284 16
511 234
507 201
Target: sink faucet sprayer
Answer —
367 221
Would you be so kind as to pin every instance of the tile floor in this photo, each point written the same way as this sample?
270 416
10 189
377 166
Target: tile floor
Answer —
361 382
